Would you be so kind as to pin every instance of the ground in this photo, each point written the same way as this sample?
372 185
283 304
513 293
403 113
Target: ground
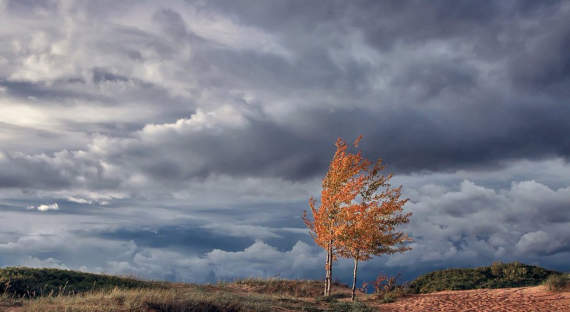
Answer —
283 295
498 300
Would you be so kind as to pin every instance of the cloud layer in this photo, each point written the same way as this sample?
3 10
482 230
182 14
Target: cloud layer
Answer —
125 125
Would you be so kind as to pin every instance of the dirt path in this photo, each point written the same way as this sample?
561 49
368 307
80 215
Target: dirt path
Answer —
497 300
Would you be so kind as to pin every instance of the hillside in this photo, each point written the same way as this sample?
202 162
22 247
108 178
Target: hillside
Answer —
497 275
30 282
37 290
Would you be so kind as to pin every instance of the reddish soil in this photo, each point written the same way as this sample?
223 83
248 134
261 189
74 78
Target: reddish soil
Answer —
497 300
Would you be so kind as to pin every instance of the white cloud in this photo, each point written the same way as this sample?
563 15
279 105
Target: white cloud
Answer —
216 120
477 222
34 262
534 241
79 200
45 207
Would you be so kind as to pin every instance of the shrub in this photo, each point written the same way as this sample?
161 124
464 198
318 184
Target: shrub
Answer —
387 288
497 275
385 283
29 282
350 307
497 268
557 282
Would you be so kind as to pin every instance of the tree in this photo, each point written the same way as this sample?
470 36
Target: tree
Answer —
368 228
340 186
358 213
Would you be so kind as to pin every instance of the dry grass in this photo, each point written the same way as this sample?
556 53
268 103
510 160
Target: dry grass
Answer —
143 300
281 287
244 295
557 282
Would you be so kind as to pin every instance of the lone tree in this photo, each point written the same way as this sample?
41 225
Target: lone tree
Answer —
341 185
352 228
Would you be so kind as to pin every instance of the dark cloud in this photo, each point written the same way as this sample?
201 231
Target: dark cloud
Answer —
182 140
187 237
543 64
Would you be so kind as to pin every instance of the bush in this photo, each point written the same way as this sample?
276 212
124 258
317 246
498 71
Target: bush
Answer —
497 275
387 288
350 307
29 282
557 282
388 297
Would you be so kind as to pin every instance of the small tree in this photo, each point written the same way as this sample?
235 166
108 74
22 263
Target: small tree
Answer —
368 228
351 228
340 186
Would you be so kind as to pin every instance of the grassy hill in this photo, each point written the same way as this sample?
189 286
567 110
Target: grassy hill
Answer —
28 282
37 290
497 275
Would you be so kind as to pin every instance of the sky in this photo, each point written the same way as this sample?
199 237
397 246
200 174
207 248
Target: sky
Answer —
182 140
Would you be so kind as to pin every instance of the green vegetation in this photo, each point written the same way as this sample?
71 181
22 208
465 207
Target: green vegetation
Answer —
350 307
28 282
557 282
497 275
62 290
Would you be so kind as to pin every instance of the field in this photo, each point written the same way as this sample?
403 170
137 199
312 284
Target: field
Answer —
24 289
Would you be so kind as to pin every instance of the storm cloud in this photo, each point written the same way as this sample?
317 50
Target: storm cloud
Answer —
182 138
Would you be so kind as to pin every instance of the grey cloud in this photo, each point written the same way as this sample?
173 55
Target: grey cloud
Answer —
26 7
462 225
437 95
172 23
501 224
57 92
543 64
189 238
131 113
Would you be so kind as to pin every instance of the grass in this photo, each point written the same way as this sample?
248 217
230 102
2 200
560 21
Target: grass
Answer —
143 300
350 306
62 290
41 290
497 275
179 298
284 287
293 288
557 282
30 282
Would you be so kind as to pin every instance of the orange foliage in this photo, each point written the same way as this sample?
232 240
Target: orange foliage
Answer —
352 228
341 185
369 227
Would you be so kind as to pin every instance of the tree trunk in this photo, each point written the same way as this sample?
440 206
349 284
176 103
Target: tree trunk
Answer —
354 279
330 273
328 270
327 262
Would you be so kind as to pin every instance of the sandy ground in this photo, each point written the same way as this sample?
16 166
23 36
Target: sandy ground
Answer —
499 300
